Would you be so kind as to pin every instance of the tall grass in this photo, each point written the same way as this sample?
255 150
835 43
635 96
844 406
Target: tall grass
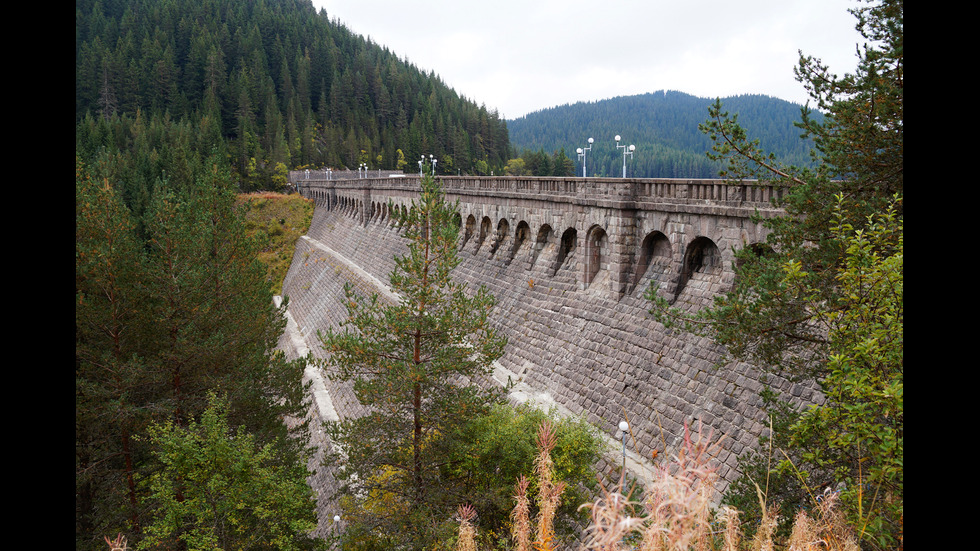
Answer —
674 512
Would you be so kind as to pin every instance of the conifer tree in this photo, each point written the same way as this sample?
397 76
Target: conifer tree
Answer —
809 302
411 363
162 319
859 146
107 368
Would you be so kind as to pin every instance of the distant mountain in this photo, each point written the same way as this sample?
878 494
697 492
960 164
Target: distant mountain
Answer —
664 127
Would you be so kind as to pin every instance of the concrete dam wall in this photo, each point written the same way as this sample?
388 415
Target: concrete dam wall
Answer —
580 337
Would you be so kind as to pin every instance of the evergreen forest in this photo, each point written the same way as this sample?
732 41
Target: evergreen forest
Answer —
664 127
271 85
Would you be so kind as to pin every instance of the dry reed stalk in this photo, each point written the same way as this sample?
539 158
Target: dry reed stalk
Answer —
733 532
467 532
828 531
521 516
833 528
680 495
804 536
610 523
653 535
767 526
118 544
677 505
677 512
549 493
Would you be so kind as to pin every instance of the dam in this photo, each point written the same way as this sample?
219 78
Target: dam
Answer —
569 260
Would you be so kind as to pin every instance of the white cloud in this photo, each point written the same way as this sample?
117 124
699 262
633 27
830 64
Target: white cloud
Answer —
521 56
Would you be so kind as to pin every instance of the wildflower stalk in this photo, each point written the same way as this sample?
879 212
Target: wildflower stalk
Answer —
521 516
467 531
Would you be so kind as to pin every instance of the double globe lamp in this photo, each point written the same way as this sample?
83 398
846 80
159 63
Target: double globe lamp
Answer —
627 150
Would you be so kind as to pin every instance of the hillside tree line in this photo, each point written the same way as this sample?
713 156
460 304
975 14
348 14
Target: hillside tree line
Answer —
664 127
272 84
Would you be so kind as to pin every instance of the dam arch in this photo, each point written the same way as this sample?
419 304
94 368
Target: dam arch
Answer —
541 241
596 253
566 248
522 236
468 230
500 237
653 259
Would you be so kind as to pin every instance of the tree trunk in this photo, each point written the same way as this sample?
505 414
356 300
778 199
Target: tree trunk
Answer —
417 444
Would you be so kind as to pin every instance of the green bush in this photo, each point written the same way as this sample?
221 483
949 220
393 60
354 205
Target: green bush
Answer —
497 448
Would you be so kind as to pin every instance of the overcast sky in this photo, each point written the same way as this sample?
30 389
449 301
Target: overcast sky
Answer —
519 56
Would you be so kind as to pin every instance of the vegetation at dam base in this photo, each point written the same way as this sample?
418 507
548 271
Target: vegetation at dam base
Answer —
276 221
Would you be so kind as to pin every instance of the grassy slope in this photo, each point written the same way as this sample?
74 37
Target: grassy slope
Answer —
277 221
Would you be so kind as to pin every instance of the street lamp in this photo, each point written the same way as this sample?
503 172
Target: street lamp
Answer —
336 520
626 151
624 427
421 160
581 154
433 159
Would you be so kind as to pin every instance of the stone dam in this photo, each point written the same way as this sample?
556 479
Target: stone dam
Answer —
568 260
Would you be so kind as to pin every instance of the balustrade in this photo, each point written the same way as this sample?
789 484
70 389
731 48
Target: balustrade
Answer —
638 190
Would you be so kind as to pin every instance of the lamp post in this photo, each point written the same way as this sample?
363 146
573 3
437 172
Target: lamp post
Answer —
581 154
626 151
624 427
336 521
432 162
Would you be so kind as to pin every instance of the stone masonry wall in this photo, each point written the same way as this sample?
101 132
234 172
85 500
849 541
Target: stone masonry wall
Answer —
575 348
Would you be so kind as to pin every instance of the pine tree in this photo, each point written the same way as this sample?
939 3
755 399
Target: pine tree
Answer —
409 363
161 320
795 306
107 368
859 146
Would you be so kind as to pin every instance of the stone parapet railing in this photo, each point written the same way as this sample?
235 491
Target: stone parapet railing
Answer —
607 191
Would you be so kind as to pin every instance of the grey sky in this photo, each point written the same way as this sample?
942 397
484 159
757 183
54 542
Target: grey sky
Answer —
519 56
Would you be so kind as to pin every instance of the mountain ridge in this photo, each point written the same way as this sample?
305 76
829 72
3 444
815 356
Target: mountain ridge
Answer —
664 127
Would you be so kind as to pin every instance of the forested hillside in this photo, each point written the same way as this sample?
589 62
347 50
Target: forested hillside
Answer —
181 105
271 84
664 127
